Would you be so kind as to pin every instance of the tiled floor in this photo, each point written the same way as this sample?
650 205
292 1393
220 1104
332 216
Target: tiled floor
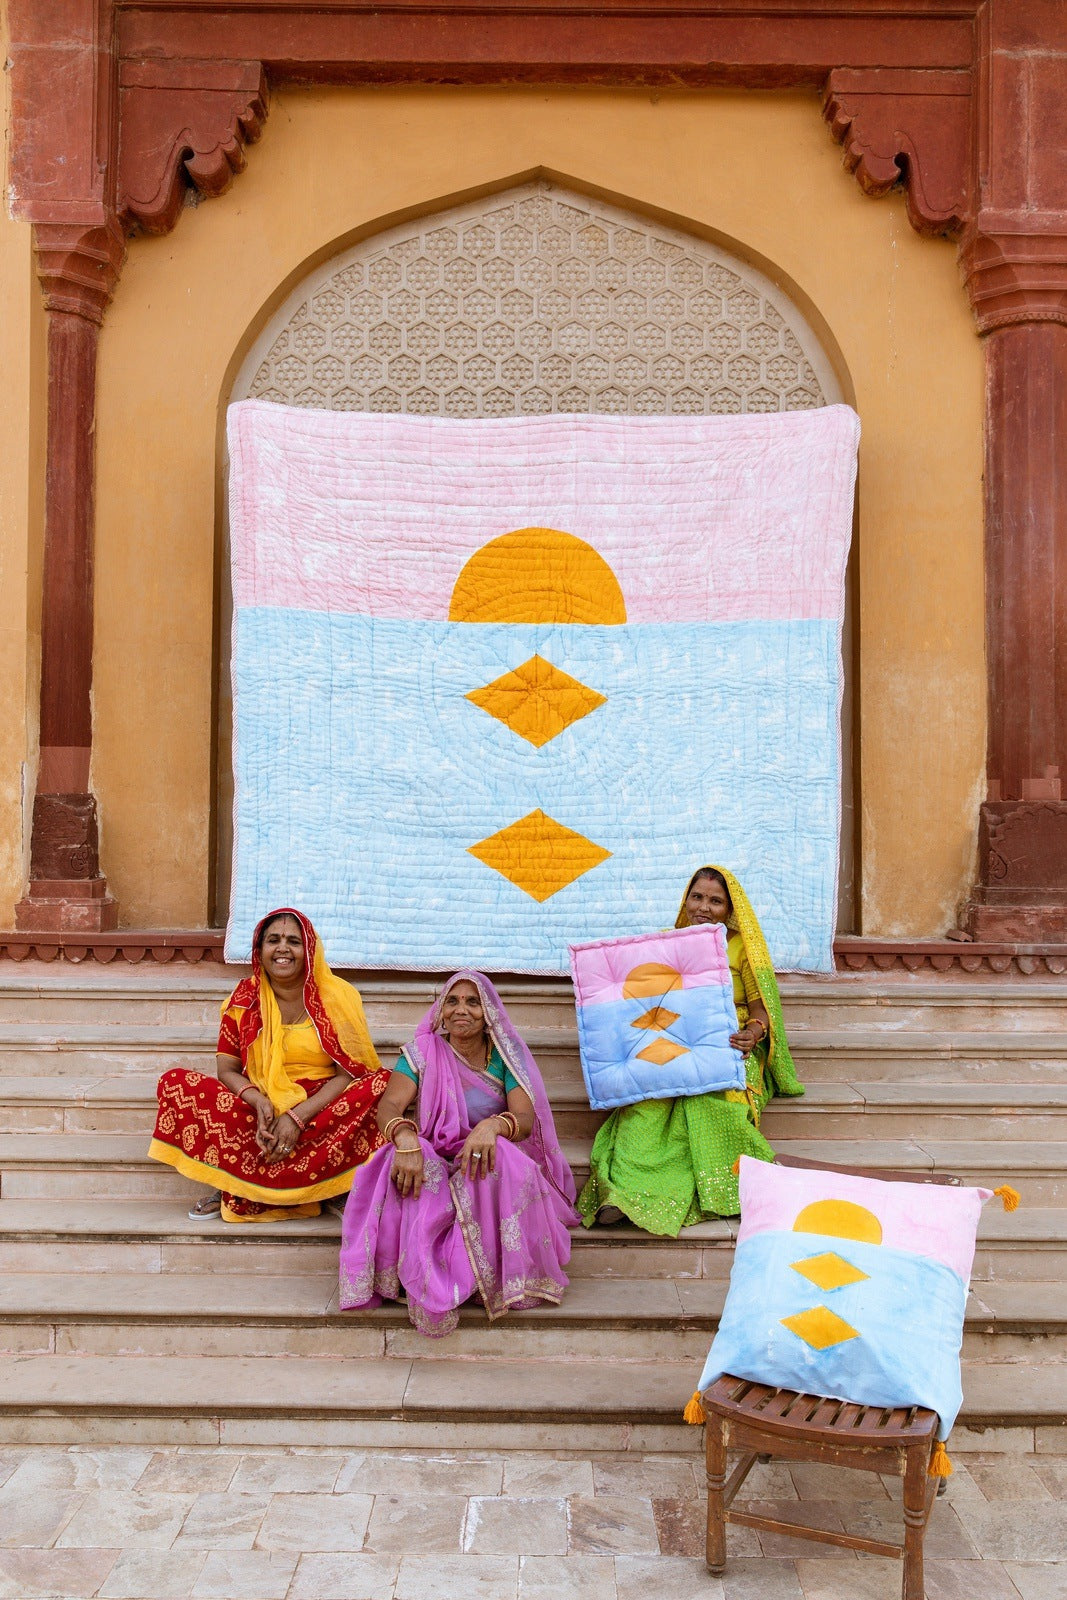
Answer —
196 1524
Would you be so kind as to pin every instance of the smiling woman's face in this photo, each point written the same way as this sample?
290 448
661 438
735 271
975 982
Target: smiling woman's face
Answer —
462 1016
281 950
707 901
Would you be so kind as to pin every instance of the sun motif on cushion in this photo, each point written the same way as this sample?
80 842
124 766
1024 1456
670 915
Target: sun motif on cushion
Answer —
839 1219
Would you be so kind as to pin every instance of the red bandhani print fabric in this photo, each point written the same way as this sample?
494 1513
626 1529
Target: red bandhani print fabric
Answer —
208 1134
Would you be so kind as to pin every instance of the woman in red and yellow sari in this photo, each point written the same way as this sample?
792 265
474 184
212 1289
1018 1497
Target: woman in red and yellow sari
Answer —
291 1114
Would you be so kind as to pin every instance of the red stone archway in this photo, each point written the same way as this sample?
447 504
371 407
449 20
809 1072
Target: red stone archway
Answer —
121 106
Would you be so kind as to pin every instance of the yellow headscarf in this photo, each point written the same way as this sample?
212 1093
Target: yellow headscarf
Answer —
334 1007
743 920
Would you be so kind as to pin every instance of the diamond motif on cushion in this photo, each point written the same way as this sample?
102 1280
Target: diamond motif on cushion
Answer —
829 1271
539 855
659 1017
820 1328
537 701
660 1051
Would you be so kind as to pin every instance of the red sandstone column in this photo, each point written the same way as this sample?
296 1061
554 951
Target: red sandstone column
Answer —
1021 893
1014 255
78 268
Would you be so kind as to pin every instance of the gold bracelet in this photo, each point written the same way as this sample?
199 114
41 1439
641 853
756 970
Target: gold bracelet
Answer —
512 1131
398 1122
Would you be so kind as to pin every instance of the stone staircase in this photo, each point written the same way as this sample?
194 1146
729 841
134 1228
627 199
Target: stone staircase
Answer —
120 1319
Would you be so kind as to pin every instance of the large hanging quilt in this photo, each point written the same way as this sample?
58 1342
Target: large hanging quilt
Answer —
500 685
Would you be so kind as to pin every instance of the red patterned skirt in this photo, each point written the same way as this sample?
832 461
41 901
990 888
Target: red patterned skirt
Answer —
208 1134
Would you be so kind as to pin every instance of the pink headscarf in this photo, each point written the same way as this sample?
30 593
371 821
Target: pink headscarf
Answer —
442 1112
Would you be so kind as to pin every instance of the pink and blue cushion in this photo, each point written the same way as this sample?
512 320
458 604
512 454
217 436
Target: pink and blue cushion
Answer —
655 1015
850 1287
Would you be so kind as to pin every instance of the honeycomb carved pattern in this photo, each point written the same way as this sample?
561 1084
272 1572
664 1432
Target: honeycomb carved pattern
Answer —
535 302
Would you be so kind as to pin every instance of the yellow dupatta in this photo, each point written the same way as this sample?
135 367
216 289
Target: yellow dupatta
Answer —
743 920
334 1007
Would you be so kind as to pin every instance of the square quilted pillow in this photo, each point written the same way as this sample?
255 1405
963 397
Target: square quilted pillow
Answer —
655 1015
849 1287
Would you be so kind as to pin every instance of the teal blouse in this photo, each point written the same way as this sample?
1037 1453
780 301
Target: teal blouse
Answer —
496 1070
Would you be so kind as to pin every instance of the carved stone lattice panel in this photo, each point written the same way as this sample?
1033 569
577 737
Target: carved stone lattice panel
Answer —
533 301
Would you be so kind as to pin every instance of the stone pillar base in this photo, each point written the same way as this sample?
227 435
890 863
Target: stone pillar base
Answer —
58 905
1021 893
68 892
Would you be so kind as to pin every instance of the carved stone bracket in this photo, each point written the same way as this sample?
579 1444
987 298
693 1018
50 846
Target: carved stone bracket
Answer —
1016 268
78 267
183 123
911 127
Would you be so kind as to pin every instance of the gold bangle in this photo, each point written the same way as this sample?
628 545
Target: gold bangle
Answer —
512 1130
398 1122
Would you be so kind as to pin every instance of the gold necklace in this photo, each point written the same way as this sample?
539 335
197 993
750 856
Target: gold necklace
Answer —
488 1055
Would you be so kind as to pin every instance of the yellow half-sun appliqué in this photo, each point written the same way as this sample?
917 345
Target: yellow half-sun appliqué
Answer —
537 575
840 1219
537 700
539 855
650 980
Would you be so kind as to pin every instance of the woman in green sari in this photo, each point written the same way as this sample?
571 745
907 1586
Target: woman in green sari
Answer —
668 1163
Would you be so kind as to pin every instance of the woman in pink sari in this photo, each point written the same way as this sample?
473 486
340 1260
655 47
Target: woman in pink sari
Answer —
474 1195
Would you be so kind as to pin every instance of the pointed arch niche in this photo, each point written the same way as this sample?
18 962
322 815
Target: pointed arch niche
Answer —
531 300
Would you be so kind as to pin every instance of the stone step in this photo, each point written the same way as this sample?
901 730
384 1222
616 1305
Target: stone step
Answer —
428 1401
156 1236
67 993
42 1165
870 1056
172 1314
125 1103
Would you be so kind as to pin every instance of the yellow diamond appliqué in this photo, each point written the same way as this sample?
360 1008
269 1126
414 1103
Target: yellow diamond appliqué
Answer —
537 701
660 1051
659 1017
539 855
820 1328
829 1271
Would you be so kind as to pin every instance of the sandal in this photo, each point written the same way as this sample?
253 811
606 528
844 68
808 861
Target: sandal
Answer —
208 1206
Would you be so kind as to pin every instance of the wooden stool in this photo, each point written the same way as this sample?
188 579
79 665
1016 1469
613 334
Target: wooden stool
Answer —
761 1421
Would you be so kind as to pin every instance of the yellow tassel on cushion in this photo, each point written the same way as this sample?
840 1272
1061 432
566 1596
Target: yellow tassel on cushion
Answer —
1009 1196
940 1465
694 1411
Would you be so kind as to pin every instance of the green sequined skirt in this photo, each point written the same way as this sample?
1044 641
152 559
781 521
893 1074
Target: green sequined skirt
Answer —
668 1163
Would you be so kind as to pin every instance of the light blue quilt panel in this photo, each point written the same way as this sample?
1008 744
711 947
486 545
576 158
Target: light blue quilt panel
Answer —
615 1075
906 1318
363 775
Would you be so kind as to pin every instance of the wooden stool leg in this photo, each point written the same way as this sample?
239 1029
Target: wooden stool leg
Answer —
715 1451
914 1519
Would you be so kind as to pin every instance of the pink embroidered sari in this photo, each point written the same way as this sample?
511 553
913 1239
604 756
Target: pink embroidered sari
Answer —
504 1236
